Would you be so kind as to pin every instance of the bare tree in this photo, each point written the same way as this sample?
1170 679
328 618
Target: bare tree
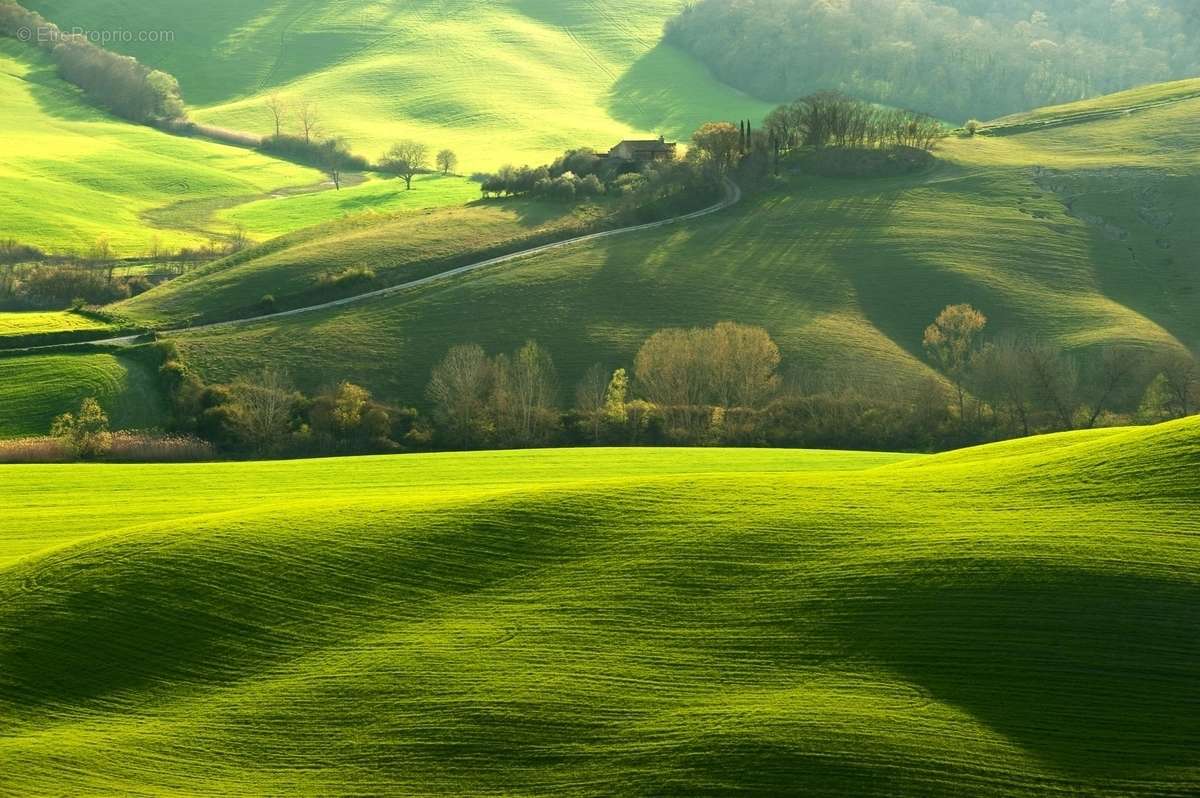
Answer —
589 397
459 389
1181 373
670 371
1001 376
742 365
526 388
1111 379
447 161
406 159
335 158
309 116
263 404
1055 380
278 108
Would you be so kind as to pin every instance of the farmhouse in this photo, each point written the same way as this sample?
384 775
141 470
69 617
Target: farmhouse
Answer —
635 151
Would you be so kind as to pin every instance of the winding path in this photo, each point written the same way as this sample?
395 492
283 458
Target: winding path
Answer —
733 195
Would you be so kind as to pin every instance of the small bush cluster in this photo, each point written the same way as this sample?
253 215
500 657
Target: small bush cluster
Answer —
830 119
263 414
122 447
353 275
13 251
53 287
313 152
577 174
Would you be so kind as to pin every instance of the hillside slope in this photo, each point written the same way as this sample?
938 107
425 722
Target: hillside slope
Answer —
1081 234
34 389
517 80
70 175
643 622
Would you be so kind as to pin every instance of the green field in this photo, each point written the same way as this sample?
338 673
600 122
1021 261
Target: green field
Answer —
278 215
1083 235
395 248
1018 620
517 80
70 175
15 325
36 388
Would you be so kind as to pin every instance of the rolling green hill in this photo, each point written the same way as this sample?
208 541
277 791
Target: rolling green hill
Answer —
1019 620
518 80
35 388
1081 234
296 269
70 175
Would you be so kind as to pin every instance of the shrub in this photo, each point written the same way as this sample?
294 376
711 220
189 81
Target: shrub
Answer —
132 447
311 152
13 252
85 434
349 276
35 450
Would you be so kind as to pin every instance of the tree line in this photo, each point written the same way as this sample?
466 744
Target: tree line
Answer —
720 385
645 190
116 82
955 58
307 144
832 119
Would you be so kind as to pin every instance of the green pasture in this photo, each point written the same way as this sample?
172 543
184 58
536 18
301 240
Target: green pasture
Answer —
609 621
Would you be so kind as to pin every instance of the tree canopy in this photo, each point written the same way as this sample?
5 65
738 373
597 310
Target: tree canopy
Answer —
953 58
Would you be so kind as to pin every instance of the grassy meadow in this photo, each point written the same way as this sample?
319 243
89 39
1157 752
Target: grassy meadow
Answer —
1082 235
281 214
16 325
647 622
35 388
518 80
71 175
296 269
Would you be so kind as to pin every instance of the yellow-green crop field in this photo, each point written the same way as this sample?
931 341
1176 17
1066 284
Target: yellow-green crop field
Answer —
1018 620
70 175
510 81
14 325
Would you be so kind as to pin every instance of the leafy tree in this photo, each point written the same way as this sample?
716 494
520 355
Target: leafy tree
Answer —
86 433
615 397
718 143
951 341
459 389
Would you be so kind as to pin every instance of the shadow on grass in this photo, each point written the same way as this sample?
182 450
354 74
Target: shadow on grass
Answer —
668 91
1096 674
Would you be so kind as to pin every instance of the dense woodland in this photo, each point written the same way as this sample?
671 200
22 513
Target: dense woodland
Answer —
954 58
